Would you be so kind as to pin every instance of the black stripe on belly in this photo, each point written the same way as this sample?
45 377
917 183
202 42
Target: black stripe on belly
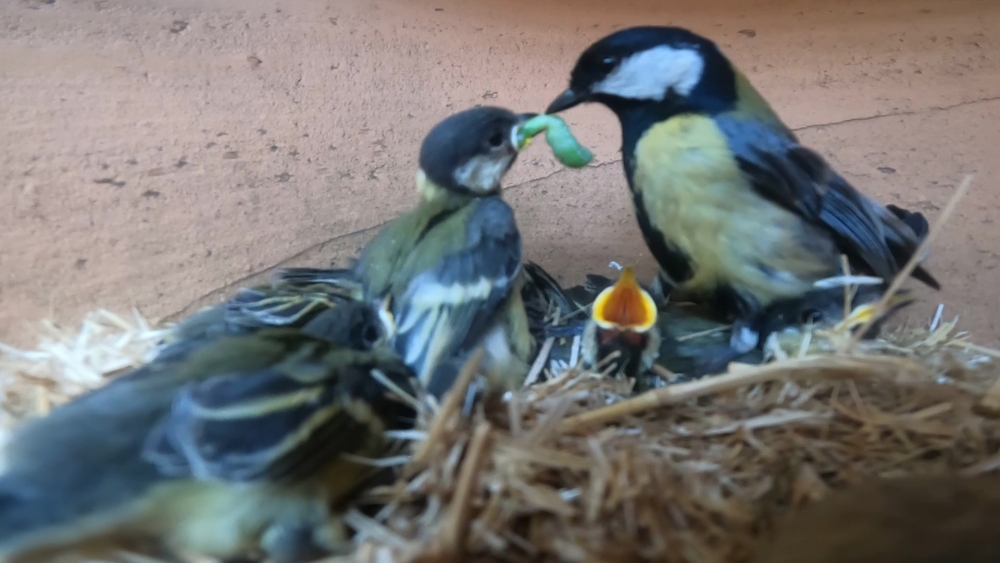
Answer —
434 221
671 259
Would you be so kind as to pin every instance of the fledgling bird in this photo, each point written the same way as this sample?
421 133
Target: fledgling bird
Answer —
290 302
616 323
734 209
241 449
451 268
939 519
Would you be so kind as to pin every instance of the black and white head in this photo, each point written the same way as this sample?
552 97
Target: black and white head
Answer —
643 66
358 325
469 152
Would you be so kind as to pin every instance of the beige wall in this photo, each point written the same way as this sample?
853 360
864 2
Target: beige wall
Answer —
162 155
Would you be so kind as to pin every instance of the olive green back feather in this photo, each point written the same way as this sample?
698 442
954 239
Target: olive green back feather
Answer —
387 262
286 420
750 104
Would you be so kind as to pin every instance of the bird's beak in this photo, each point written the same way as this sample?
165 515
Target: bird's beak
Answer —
515 134
625 305
863 313
566 100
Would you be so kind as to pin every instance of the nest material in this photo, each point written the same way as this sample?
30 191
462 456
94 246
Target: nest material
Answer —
69 361
574 470
577 469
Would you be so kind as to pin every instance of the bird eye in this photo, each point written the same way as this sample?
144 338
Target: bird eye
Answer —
496 139
609 61
810 316
370 335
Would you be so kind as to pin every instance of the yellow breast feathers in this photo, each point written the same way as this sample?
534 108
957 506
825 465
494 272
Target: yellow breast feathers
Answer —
699 200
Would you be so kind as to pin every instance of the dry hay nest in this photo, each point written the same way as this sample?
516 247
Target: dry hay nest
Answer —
578 469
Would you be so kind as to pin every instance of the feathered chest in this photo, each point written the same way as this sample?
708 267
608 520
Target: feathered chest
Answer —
702 219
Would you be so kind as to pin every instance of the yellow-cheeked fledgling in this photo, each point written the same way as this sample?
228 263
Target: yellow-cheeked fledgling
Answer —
244 448
451 267
734 209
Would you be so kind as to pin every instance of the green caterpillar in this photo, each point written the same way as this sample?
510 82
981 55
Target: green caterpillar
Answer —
564 145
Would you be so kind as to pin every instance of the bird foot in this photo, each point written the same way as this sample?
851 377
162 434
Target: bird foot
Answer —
303 542
743 338
660 291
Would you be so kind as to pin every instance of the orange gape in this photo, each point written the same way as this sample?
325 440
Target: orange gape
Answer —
625 305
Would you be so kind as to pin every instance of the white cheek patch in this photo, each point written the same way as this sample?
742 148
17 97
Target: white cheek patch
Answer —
482 173
649 75
743 339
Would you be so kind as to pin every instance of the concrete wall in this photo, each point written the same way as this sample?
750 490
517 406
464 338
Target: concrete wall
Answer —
161 153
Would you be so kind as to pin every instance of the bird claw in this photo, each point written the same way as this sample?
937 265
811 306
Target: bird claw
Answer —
659 290
743 338
469 401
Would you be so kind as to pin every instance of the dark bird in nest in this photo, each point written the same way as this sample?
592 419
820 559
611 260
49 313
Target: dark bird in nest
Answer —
686 340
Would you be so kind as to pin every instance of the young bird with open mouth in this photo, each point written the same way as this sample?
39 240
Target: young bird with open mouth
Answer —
733 208
622 323
242 448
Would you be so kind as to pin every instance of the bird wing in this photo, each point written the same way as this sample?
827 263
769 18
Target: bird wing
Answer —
299 296
340 283
344 278
284 422
902 222
445 308
545 301
800 180
277 307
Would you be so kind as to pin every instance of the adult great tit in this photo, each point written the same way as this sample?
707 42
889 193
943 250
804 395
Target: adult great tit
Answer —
451 268
735 210
243 448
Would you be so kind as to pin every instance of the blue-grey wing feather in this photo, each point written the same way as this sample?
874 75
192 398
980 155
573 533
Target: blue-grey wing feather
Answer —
798 179
435 323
